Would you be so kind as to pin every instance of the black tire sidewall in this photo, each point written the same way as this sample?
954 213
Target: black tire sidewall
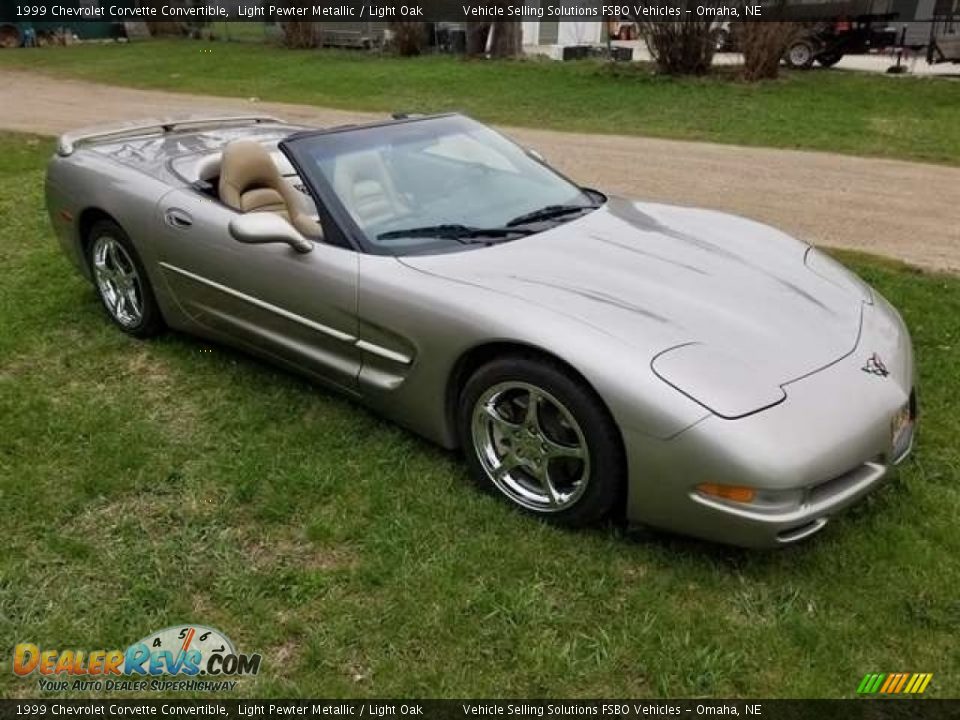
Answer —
605 489
152 322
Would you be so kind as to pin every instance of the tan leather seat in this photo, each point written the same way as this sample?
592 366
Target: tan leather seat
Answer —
363 184
250 182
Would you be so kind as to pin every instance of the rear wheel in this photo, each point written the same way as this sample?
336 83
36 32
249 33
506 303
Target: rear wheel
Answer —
121 281
800 55
535 434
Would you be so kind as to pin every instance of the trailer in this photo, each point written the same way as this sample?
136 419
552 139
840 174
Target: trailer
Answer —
827 42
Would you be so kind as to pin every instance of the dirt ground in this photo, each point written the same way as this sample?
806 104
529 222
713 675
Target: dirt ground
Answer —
904 210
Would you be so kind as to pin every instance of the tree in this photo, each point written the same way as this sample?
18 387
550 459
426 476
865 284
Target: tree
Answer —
299 34
507 40
159 28
500 39
408 38
763 44
477 38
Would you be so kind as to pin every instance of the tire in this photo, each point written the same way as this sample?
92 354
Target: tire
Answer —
564 463
799 55
121 281
829 59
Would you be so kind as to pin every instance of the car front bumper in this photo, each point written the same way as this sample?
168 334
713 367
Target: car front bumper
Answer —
825 447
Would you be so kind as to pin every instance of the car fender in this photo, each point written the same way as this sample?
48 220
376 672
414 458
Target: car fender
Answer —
434 322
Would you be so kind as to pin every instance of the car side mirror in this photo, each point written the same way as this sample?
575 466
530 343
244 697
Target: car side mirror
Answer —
259 228
536 155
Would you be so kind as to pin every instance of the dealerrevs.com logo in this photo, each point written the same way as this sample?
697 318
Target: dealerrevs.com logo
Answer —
198 658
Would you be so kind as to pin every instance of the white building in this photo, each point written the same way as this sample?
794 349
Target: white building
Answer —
549 37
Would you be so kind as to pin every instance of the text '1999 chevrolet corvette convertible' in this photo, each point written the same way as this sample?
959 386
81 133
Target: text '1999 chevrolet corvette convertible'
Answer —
593 356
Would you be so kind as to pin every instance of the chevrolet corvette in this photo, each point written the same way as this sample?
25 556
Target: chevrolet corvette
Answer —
592 356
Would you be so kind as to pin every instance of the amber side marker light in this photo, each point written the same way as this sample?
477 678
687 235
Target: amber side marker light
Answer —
737 493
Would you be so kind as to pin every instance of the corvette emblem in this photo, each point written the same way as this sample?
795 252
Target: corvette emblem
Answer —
875 366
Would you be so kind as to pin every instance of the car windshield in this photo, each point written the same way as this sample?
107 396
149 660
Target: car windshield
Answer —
435 184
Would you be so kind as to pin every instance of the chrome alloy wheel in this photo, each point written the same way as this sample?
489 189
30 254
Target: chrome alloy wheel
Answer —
531 446
118 281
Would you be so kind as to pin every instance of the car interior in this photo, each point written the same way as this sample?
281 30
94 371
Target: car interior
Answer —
362 182
383 189
247 177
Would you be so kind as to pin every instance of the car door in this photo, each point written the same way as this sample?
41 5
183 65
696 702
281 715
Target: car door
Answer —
300 308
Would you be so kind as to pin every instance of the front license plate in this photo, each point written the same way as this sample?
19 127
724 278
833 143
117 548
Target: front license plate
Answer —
901 428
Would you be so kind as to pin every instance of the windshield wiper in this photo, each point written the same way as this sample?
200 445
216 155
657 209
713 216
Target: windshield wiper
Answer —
548 212
460 233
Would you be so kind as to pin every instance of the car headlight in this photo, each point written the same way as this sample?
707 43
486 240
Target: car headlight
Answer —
724 384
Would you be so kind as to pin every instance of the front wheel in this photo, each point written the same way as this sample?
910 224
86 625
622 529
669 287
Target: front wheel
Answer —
537 435
121 281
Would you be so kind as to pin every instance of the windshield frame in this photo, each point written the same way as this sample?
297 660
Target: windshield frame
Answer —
324 195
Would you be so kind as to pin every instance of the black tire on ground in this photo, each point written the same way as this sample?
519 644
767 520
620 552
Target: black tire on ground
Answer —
800 55
606 480
151 322
829 59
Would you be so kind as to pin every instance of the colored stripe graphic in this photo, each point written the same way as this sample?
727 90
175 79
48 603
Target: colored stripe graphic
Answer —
894 683
888 683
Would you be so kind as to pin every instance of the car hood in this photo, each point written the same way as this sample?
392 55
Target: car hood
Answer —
660 276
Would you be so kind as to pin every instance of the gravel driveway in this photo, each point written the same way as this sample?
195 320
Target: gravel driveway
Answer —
904 210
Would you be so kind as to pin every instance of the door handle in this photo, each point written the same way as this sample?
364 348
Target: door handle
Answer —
177 218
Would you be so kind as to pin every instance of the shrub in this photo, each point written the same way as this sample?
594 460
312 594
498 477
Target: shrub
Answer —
683 47
763 44
298 34
408 38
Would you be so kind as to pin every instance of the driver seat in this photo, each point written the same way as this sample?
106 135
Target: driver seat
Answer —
250 182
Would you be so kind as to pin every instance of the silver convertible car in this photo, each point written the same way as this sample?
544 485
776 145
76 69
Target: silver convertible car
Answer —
593 356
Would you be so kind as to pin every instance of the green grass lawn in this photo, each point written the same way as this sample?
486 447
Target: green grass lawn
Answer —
145 484
848 112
